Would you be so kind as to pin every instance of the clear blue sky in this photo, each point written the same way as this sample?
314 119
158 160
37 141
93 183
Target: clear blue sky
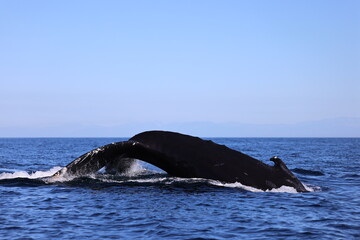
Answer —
117 62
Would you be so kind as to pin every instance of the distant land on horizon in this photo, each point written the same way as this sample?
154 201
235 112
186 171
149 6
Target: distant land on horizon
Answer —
337 127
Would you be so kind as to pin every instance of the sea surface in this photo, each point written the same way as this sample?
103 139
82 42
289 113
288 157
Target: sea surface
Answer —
147 203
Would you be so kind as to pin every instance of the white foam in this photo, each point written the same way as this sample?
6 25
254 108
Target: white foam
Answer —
312 188
284 189
150 180
165 180
60 177
171 180
137 170
33 175
235 185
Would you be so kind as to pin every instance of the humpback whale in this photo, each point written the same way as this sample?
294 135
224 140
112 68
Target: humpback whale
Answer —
187 157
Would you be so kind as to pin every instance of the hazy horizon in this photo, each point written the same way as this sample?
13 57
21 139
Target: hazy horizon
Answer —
249 68
341 127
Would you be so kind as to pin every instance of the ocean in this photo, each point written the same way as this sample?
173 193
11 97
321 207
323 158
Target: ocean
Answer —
147 203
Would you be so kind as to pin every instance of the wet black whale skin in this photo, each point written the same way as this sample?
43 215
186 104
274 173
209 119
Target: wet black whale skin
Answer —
186 156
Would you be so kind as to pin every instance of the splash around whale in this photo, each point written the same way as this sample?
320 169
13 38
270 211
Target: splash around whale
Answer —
184 156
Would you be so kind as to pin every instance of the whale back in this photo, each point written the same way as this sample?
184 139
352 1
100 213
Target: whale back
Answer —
195 157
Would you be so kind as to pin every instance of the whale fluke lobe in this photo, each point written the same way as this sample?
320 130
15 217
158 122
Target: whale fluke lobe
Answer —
185 156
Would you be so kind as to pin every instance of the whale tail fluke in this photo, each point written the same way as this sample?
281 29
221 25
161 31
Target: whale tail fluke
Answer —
183 156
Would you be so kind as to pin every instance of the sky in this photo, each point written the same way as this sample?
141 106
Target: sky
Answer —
115 63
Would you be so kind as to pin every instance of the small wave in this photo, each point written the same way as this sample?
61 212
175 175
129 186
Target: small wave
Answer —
308 172
33 175
352 175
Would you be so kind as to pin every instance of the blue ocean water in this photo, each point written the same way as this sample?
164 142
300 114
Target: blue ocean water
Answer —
149 204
